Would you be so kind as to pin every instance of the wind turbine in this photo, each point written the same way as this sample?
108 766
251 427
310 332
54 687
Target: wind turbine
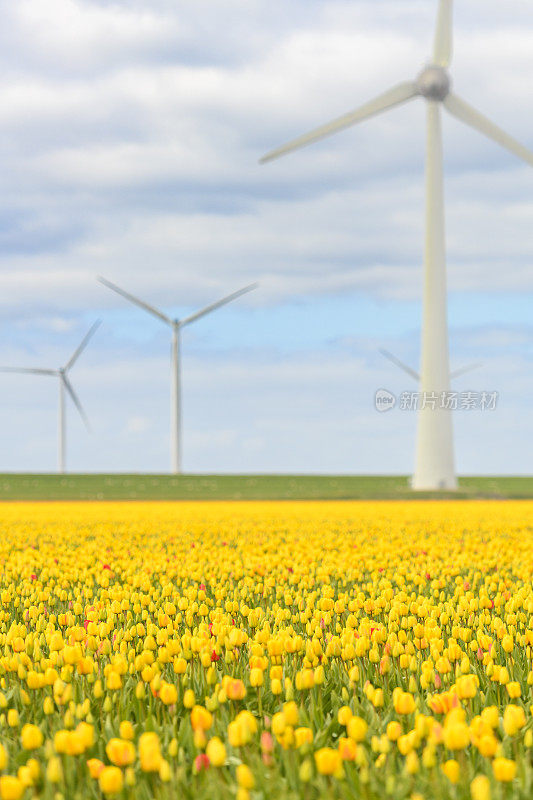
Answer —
434 467
176 325
64 386
457 373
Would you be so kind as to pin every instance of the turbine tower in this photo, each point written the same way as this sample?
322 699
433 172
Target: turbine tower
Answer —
176 325
434 467
64 386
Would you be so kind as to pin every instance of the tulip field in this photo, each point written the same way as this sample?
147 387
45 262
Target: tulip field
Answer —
254 650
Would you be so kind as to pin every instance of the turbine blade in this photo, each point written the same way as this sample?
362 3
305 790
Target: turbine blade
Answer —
463 111
84 342
442 53
218 304
75 400
29 371
463 370
389 99
136 301
400 364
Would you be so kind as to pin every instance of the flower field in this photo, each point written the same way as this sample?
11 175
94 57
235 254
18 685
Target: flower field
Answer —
266 650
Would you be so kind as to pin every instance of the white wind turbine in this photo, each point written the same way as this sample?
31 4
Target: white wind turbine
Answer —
176 325
434 467
64 385
457 373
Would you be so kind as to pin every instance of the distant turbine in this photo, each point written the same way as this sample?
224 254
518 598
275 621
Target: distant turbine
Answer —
457 373
64 384
434 453
176 325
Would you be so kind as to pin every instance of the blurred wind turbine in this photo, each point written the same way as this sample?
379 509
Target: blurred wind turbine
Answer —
64 385
176 325
456 373
434 452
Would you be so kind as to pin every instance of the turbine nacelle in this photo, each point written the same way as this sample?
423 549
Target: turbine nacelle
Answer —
434 83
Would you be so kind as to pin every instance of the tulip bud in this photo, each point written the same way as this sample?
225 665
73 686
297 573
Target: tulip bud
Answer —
306 771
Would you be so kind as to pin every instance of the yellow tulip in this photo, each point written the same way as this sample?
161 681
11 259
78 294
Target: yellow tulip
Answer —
31 737
216 752
149 752
11 788
452 770
328 761
13 718
357 728
245 777
126 730
168 694
404 703
111 780
514 719
256 677
480 788
504 769
120 752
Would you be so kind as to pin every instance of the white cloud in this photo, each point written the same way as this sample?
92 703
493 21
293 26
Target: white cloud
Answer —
137 425
84 34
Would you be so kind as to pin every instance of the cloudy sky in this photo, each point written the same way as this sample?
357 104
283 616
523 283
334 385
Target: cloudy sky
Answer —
130 133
